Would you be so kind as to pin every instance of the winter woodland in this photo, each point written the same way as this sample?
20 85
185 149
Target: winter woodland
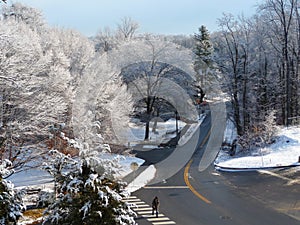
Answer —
66 98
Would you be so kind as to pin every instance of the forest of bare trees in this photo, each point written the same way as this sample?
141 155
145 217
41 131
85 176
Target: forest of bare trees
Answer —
259 60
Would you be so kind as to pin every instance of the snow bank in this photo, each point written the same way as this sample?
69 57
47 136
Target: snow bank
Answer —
284 152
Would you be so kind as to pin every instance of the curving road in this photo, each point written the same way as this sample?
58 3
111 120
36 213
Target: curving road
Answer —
191 197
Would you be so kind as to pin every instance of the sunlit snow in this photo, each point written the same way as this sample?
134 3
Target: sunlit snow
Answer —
284 152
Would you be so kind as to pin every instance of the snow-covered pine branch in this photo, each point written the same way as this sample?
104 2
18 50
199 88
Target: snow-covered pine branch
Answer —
11 200
86 196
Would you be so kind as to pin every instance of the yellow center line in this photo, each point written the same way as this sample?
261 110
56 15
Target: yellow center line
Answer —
289 209
187 182
205 139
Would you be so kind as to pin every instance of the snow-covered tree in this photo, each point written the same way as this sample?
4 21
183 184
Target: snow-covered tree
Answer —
113 111
40 68
203 46
156 70
107 39
86 192
203 63
101 99
261 134
282 19
22 13
33 89
259 59
127 28
229 58
11 205
76 48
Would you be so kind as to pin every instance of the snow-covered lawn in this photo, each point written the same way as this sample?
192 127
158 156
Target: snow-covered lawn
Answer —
164 132
37 178
284 152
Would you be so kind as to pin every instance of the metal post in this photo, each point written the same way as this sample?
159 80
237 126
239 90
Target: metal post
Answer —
176 118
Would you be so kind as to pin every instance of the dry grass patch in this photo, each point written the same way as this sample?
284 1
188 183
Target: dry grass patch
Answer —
32 216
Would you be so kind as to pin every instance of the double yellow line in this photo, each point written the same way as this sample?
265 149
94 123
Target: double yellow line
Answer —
186 175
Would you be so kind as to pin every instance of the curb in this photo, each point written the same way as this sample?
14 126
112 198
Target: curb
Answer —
232 169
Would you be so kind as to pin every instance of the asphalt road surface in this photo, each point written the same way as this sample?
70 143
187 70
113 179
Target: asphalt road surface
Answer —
210 197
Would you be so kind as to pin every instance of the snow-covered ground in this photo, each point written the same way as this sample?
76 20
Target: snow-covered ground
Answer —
38 178
163 133
284 152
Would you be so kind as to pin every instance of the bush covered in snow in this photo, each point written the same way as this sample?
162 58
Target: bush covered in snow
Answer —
261 134
85 196
11 205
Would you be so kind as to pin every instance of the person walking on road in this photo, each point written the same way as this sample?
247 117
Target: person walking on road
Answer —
155 205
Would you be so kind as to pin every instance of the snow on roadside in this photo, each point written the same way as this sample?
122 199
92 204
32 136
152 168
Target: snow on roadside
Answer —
164 131
142 179
36 178
284 152
126 163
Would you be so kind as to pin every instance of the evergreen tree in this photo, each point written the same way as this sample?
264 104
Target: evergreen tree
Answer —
203 61
85 196
11 205
203 46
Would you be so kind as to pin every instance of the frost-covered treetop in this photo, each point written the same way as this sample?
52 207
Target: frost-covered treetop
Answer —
153 50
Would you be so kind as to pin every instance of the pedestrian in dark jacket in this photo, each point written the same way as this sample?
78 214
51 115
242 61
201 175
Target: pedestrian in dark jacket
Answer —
155 205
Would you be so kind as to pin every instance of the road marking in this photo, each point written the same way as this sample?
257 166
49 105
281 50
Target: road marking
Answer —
166 187
152 216
289 209
205 139
290 181
144 210
131 197
187 182
161 223
158 219
140 204
216 174
133 200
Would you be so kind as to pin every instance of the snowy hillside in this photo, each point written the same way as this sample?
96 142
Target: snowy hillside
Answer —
284 152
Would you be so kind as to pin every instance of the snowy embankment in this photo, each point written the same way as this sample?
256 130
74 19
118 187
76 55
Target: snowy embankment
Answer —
285 152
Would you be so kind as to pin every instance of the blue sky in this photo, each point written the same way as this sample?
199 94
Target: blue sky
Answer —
153 16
